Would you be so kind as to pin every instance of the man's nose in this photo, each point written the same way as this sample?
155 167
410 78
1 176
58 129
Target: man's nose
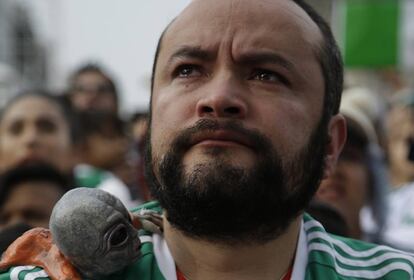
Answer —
223 98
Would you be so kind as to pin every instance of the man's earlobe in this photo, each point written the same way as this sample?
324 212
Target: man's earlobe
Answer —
337 138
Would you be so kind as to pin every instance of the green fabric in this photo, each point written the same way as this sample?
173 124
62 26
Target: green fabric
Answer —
329 257
371 33
335 257
146 267
23 273
90 177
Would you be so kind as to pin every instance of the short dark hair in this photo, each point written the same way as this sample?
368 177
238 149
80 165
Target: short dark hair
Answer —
33 172
329 57
94 68
61 102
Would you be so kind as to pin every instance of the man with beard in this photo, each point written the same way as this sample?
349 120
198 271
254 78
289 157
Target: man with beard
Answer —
244 124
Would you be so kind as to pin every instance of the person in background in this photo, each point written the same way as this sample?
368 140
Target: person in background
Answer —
102 154
138 127
28 194
374 106
329 217
37 127
400 131
359 186
92 89
399 231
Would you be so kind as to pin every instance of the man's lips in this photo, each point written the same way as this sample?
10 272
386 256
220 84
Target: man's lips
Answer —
221 138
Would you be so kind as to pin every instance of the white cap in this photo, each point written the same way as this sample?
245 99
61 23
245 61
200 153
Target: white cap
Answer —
362 107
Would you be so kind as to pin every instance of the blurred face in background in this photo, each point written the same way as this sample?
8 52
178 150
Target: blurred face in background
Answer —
105 151
347 190
33 129
104 143
400 124
92 91
139 130
30 203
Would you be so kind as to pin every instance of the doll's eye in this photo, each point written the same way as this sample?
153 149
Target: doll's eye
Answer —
119 236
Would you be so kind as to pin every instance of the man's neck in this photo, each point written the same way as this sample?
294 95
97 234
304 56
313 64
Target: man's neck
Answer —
199 260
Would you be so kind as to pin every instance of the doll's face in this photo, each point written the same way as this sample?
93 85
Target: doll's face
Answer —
118 246
94 230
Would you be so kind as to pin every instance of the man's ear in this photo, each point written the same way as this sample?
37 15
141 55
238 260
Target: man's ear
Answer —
337 138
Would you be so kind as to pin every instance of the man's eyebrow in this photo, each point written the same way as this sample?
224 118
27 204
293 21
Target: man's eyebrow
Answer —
257 58
193 53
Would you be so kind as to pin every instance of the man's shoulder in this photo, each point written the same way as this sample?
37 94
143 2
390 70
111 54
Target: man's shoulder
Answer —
146 267
345 258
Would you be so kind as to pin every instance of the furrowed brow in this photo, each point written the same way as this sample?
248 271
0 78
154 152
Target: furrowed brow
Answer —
266 58
192 53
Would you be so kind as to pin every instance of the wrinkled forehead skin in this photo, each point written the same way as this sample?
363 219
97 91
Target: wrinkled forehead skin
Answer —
267 24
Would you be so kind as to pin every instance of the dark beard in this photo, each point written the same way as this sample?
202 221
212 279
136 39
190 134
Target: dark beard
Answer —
222 203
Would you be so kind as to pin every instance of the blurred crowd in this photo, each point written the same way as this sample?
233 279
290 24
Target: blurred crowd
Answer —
371 194
53 142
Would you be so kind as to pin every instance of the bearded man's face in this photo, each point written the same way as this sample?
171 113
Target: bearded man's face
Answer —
220 201
238 124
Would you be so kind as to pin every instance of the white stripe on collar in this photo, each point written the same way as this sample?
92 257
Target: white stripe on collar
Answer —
164 258
301 258
166 262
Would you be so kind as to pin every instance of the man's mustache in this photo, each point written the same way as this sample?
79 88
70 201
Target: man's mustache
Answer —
184 140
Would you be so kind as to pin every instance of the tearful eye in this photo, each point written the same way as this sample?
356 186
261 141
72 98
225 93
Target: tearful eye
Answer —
266 76
187 70
269 76
118 236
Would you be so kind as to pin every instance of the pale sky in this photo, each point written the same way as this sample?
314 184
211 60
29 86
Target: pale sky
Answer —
122 35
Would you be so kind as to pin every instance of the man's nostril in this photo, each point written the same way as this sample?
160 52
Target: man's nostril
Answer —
207 109
232 110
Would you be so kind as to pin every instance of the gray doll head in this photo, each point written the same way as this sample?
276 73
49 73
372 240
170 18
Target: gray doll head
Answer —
93 229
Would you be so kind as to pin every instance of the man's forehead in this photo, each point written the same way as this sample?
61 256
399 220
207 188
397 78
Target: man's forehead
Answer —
202 15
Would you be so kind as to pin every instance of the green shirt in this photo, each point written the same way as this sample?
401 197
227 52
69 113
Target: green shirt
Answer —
319 255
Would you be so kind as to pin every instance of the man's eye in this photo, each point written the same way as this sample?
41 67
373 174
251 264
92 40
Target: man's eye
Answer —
269 76
186 71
